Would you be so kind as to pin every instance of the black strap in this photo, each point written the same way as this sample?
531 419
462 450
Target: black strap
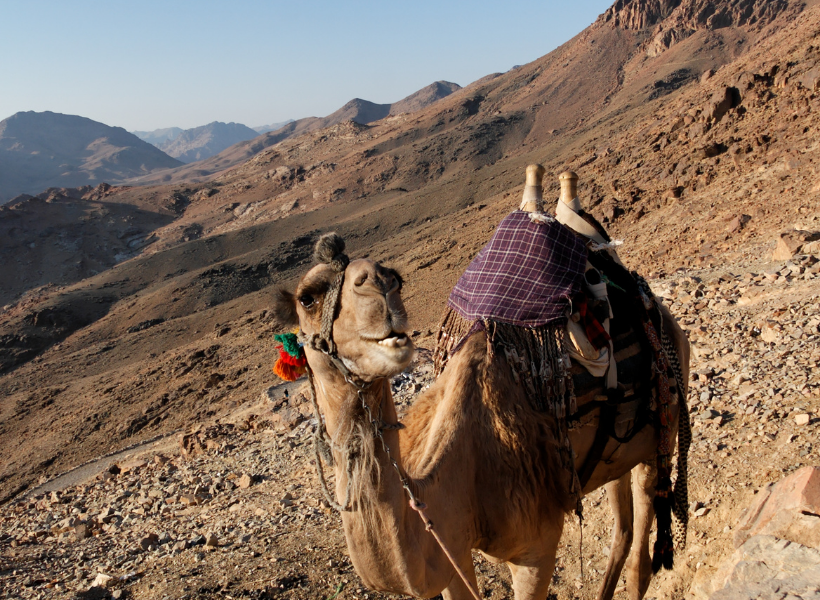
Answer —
596 451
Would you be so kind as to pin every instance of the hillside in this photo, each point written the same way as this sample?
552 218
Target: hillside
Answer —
42 150
357 110
697 148
203 142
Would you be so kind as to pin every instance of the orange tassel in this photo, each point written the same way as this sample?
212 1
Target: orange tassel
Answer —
288 372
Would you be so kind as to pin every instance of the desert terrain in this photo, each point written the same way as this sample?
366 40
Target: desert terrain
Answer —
136 337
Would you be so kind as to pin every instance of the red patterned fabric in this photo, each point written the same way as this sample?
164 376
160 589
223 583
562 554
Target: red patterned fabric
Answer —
596 334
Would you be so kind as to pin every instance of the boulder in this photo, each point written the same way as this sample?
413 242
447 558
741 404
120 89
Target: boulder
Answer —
102 580
764 567
246 481
289 418
811 79
789 509
795 242
778 546
721 102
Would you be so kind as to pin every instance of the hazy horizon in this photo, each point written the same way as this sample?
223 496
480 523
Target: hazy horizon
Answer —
154 65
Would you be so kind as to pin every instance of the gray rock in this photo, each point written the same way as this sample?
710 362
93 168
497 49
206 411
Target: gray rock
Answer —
766 567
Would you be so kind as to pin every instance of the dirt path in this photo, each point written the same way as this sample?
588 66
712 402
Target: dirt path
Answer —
166 444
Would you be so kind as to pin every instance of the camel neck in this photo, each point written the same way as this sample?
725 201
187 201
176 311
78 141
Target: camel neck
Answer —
340 402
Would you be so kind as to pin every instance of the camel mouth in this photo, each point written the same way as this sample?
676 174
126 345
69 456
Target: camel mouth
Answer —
394 340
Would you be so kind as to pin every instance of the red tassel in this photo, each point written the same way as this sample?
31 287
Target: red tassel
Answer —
292 360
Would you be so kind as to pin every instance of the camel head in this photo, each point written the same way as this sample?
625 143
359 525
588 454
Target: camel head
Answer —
369 321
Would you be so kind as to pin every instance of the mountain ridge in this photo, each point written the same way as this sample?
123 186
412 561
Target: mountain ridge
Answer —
202 142
46 149
357 110
158 136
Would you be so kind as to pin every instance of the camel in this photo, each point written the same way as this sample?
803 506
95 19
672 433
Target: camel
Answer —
471 450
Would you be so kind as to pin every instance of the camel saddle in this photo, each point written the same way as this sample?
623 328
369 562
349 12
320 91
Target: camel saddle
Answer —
538 277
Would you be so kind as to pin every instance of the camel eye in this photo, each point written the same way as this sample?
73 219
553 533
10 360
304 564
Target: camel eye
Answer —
306 300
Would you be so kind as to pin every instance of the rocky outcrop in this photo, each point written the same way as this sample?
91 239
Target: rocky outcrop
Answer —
767 568
778 546
676 20
692 14
795 241
638 14
789 509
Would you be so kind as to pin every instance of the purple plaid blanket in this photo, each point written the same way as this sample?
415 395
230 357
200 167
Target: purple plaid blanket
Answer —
523 276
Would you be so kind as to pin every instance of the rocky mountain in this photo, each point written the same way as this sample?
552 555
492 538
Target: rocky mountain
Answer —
424 97
364 112
271 127
699 154
357 110
203 142
157 137
42 150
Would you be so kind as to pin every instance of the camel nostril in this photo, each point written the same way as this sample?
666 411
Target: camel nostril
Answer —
360 279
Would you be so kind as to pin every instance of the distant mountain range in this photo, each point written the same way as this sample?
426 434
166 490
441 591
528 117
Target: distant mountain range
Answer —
199 143
43 150
357 110
46 149
159 136
272 127
203 142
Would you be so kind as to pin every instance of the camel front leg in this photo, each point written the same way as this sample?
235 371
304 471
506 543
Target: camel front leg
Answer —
619 494
639 565
532 573
456 590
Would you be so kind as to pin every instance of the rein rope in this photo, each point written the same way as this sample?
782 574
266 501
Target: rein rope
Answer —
323 342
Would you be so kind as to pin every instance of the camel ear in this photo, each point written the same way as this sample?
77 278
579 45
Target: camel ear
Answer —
284 309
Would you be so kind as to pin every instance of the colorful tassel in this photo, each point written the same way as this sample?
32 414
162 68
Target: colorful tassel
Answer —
292 362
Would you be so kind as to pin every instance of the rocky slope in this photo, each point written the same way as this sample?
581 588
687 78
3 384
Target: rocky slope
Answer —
423 191
357 110
42 150
234 506
203 142
698 157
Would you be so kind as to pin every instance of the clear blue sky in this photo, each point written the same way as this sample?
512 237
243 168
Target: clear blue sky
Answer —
151 64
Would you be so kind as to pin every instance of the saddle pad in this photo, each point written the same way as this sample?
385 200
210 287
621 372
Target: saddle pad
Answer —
525 274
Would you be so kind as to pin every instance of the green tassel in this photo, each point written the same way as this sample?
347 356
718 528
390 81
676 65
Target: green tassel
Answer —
289 343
